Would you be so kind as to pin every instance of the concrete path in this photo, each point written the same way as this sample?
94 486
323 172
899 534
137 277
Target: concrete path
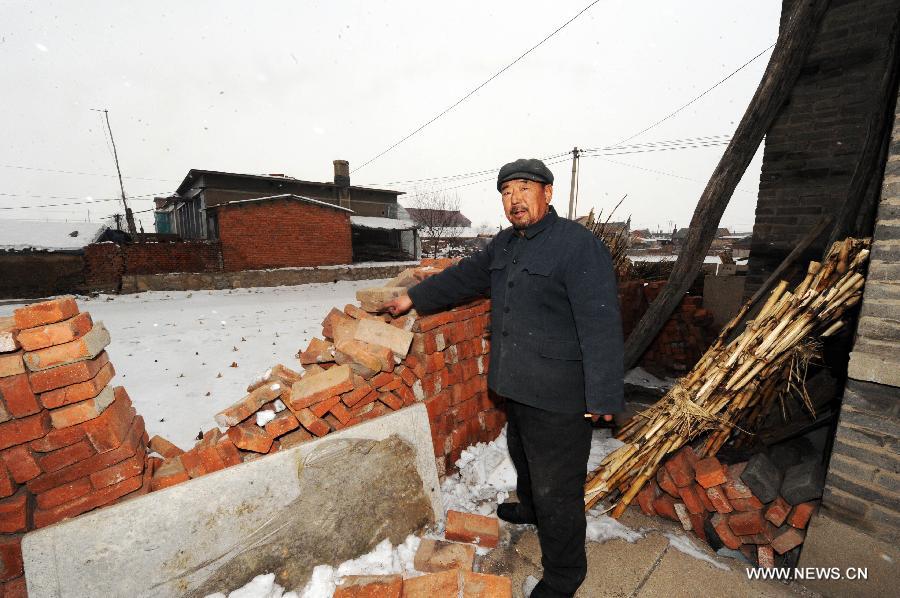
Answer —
647 568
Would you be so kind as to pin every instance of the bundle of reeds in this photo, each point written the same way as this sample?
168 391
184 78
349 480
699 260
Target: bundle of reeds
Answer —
617 238
736 381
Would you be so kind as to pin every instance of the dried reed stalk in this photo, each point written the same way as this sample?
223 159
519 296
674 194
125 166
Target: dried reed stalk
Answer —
736 382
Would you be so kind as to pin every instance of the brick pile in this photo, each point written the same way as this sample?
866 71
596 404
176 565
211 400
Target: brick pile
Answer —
756 506
69 440
684 338
365 365
447 566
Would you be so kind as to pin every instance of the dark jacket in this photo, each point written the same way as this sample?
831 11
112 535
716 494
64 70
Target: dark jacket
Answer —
556 333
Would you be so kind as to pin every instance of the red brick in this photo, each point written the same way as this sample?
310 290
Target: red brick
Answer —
77 413
351 398
472 528
391 400
466 410
65 456
438 404
777 511
723 530
16 395
746 504
46 312
697 521
788 539
665 482
318 351
370 586
406 374
14 588
680 467
88 502
747 523
371 397
12 364
81 349
720 502
110 429
312 423
318 387
41 337
664 505
690 499
381 379
334 316
63 494
481 585
20 431
14 512
163 447
11 557
800 514
341 413
323 407
228 453
296 437
734 487
127 448
709 472
21 463
394 384
116 473
170 473
249 437
80 391
66 375
283 423
433 585
249 405
704 498
765 556
426 323
647 495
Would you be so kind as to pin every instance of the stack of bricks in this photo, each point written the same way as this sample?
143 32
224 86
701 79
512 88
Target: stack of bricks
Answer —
757 507
69 441
684 337
446 566
365 365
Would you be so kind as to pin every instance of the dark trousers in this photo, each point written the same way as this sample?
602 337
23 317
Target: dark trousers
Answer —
550 452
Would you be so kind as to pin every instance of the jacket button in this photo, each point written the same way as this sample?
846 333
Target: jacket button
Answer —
516 260
511 284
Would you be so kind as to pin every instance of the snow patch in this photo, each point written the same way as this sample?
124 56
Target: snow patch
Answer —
684 544
602 528
263 417
261 586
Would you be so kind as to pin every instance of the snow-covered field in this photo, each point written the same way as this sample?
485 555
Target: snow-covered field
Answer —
173 350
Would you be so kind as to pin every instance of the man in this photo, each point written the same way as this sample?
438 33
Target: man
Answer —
556 357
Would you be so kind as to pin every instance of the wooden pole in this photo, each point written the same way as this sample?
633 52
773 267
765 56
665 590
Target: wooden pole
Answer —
781 73
574 182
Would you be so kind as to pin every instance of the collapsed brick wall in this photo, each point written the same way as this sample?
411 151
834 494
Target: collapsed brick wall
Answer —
364 366
760 507
69 440
106 263
296 233
39 273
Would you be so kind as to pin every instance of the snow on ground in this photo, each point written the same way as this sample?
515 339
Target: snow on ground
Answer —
172 350
641 377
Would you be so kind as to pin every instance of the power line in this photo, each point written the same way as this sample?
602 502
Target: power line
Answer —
679 109
663 173
471 93
55 171
79 203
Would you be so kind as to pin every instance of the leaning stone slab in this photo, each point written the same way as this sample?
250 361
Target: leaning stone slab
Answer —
385 335
321 502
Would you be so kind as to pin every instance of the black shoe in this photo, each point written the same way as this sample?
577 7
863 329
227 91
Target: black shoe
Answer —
542 590
513 512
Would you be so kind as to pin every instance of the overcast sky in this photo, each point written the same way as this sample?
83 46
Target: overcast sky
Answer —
287 87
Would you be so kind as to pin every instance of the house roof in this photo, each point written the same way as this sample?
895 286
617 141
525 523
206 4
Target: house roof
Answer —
195 173
18 235
290 196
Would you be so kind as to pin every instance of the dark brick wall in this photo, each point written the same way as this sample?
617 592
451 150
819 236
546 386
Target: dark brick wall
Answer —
30 274
106 263
283 233
812 148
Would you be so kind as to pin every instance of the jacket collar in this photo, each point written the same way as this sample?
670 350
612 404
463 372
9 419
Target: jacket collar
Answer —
549 218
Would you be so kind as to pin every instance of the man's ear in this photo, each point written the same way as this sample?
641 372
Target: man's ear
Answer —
548 193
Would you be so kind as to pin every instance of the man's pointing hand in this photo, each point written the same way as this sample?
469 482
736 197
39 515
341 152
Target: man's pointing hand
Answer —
398 306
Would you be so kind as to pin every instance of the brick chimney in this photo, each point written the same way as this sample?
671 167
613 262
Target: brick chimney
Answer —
342 182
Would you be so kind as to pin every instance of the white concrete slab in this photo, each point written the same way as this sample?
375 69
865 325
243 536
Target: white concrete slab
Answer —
171 542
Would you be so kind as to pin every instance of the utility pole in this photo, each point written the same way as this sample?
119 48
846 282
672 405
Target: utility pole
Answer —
574 183
129 216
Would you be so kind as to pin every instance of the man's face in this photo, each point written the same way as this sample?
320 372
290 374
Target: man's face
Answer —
525 202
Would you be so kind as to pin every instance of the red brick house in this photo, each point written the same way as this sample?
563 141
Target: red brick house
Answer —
281 231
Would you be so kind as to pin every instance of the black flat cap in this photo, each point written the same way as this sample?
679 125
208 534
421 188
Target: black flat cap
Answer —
530 169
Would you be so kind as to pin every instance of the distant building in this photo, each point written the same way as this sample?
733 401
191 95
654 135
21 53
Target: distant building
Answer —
447 218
